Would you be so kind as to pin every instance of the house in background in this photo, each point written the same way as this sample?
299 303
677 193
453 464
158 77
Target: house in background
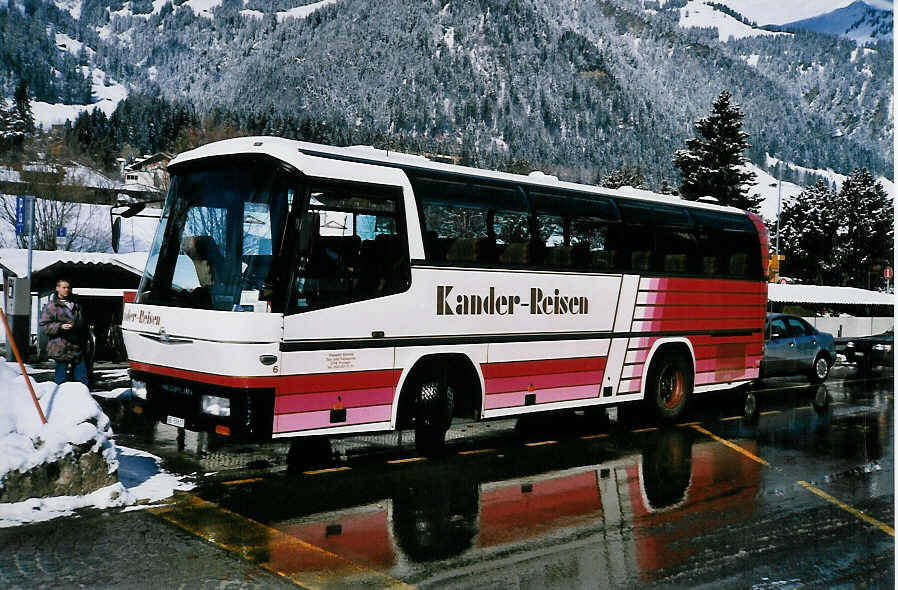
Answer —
148 171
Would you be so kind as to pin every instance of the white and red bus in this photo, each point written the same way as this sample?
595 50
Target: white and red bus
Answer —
297 289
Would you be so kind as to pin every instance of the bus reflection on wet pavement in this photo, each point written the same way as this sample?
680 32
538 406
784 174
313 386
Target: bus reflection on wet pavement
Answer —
657 506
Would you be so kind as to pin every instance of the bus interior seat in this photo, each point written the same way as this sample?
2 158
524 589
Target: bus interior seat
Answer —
335 256
603 259
641 260
675 262
516 253
738 264
710 265
558 256
580 254
463 250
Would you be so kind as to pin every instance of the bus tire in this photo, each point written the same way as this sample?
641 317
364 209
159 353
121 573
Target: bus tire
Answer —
669 384
434 404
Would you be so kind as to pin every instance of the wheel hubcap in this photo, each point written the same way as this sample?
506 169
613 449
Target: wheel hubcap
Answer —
672 386
822 368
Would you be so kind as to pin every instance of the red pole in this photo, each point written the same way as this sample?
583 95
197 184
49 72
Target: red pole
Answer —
15 351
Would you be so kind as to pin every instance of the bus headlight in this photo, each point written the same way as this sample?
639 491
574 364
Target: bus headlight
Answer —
139 389
882 347
215 406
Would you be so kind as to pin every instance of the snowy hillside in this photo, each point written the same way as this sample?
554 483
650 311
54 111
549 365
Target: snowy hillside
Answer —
107 95
779 12
699 14
859 22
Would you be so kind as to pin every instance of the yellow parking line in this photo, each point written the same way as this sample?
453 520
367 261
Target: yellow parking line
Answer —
302 563
849 509
686 424
328 470
733 446
541 443
477 451
409 460
728 418
650 429
237 482
768 412
592 436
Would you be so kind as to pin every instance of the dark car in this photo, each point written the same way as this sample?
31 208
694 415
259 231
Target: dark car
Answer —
868 351
794 347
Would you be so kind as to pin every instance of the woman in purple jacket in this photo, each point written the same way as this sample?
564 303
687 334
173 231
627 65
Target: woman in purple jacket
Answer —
63 322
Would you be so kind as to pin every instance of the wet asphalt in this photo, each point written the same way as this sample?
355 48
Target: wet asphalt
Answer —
800 496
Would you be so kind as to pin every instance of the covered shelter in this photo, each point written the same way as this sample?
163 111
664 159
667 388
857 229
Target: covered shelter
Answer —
841 311
99 280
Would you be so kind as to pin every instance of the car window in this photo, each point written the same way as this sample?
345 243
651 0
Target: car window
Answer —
798 327
777 325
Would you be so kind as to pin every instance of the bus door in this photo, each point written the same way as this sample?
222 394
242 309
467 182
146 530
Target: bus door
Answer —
350 259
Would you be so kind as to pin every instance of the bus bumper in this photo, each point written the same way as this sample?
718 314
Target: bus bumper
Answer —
241 414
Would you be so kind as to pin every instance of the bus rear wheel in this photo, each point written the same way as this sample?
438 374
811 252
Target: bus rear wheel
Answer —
669 385
434 404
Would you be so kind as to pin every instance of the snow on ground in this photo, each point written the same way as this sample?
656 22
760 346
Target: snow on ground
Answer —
304 11
73 46
698 14
778 12
203 7
106 99
73 417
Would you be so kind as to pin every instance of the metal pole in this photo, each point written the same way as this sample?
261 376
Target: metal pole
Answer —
779 204
30 235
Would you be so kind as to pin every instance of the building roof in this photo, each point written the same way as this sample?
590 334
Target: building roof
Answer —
15 260
827 295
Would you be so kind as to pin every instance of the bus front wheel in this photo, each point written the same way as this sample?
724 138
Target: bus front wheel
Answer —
434 404
669 384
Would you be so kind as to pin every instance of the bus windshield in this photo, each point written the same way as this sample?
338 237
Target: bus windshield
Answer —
218 238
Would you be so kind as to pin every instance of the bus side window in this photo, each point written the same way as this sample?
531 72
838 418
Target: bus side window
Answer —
358 248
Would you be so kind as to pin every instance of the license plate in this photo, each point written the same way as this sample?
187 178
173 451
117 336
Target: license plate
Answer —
174 421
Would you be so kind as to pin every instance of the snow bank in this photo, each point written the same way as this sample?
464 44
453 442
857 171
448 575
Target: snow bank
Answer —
74 419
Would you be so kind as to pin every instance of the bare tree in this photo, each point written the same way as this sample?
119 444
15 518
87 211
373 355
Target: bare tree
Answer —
85 232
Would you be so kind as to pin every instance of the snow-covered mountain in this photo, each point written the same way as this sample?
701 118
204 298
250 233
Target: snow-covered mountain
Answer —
780 12
860 22
577 90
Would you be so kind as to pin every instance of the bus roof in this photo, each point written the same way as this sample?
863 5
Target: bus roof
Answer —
313 159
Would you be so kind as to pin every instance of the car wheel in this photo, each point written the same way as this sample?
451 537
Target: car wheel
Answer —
820 370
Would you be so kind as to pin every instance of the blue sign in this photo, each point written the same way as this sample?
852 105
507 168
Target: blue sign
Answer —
60 232
20 228
20 210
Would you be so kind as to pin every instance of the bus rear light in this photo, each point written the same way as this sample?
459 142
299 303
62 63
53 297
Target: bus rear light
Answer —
214 405
222 430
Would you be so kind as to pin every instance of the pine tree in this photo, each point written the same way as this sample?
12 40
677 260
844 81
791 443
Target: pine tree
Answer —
866 238
626 176
838 238
809 226
22 105
713 162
